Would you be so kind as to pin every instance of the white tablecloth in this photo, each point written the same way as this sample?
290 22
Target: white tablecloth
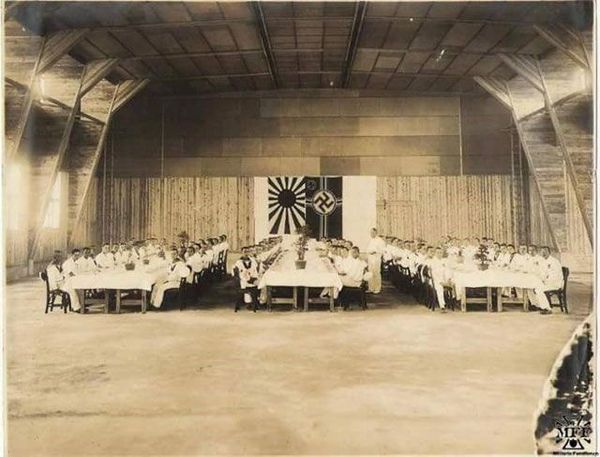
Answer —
141 278
319 272
492 277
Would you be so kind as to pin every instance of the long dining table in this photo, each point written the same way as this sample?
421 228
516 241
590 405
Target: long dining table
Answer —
142 279
470 277
319 273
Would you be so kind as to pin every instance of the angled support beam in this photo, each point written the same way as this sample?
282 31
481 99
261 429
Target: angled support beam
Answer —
53 48
566 157
266 42
519 127
360 10
525 67
496 88
572 46
126 91
95 72
96 159
57 45
60 155
27 105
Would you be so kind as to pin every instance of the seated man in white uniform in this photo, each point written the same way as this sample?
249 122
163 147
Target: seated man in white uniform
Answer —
176 270
352 268
70 266
246 272
520 261
58 281
105 260
437 266
375 250
194 259
469 251
549 270
86 263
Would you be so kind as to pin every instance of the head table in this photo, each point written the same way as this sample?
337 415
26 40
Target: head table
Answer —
319 273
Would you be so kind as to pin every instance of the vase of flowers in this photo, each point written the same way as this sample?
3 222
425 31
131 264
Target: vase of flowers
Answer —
301 247
130 266
481 257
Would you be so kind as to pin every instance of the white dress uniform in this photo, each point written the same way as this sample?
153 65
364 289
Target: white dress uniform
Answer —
57 280
196 262
469 252
105 261
210 255
439 274
248 271
354 271
502 260
70 266
520 262
375 249
86 265
551 278
175 272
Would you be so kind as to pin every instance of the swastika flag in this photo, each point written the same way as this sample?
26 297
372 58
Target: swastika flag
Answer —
299 200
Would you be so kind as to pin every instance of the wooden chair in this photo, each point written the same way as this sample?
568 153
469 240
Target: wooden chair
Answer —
198 282
561 294
224 266
183 291
52 295
431 300
405 279
347 294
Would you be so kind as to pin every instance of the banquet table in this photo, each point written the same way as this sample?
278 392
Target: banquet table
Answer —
119 280
319 273
469 276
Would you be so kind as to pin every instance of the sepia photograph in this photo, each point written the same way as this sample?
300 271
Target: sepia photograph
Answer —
299 228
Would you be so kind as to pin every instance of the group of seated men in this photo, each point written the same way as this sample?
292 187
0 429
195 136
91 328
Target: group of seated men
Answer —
256 260
451 252
181 260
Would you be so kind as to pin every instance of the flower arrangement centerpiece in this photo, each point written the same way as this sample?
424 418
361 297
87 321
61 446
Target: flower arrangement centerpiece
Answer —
130 265
481 257
301 246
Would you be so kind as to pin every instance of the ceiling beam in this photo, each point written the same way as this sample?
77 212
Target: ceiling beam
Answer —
551 35
288 19
57 45
308 73
244 52
51 100
495 88
96 71
525 67
360 11
266 42
126 91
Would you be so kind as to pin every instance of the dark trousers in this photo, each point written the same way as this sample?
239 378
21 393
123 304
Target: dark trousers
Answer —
253 292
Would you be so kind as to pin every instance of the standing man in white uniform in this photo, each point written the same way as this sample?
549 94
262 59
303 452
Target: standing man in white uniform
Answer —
375 250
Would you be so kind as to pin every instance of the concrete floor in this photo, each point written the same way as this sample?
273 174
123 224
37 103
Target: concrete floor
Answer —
395 379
